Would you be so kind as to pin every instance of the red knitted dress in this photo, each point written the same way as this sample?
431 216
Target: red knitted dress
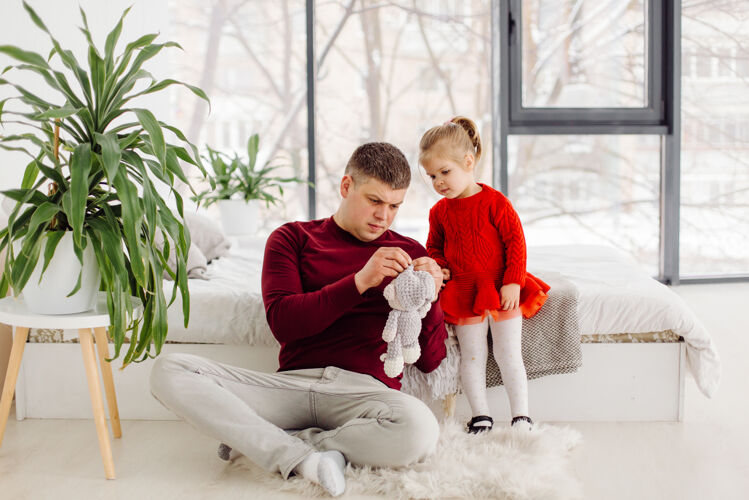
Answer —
480 240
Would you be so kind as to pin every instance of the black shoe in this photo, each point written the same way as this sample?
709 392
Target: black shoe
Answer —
472 428
522 422
224 452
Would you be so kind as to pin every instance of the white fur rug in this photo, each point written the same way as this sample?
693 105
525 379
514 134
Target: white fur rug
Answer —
502 464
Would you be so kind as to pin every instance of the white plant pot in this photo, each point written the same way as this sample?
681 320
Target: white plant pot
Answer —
50 296
238 217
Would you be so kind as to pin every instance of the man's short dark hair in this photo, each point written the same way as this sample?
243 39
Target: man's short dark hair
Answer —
381 161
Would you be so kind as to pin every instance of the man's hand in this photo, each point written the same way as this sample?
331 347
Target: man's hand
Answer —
510 296
429 265
386 261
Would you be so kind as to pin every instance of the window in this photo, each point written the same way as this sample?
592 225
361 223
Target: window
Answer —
742 63
704 65
421 64
250 59
725 63
588 97
714 228
583 63
583 54
601 189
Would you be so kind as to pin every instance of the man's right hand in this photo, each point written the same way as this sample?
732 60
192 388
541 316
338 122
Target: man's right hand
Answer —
386 261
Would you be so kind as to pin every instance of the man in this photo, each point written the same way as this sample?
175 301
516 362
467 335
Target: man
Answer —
322 286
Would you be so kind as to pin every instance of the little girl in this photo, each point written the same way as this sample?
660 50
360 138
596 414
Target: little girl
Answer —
476 237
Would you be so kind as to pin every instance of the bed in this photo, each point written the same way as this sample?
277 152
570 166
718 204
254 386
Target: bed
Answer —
638 340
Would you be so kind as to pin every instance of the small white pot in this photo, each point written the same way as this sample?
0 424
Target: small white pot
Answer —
50 296
239 217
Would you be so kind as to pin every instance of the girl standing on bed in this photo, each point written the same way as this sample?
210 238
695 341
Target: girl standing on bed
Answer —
476 237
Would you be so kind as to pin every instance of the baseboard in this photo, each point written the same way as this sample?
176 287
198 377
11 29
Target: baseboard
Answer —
617 382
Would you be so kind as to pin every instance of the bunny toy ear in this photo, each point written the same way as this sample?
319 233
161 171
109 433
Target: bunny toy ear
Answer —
389 292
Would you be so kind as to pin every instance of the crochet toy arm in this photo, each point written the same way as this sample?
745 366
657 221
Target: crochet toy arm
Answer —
391 326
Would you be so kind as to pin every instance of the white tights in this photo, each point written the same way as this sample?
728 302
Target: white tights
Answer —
506 337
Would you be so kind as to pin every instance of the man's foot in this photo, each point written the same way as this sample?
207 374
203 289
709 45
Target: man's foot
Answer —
522 423
480 423
226 453
325 468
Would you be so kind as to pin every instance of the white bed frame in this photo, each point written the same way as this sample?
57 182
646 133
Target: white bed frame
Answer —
617 382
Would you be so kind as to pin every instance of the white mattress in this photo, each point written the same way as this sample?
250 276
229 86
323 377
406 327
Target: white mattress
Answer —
227 308
616 296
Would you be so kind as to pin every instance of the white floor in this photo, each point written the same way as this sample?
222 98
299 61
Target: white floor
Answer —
705 457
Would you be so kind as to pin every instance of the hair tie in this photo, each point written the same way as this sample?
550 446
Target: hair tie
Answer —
448 122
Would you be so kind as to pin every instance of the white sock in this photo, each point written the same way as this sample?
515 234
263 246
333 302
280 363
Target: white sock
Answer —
507 337
325 468
473 353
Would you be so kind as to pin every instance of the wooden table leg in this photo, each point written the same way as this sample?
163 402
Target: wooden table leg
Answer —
16 353
102 346
448 406
94 388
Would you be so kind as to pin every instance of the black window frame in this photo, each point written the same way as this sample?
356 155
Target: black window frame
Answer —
661 116
535 120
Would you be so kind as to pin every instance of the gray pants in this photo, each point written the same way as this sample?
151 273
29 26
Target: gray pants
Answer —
278 419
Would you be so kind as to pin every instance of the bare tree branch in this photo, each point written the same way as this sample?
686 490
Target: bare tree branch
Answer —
435 63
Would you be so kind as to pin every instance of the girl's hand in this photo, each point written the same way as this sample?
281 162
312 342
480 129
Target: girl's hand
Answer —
445 276
510 296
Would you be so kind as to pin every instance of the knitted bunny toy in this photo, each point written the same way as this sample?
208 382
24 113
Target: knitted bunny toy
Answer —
410 295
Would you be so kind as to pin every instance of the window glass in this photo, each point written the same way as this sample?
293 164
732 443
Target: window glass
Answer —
251 59
714 233
583 53
588 189
389 72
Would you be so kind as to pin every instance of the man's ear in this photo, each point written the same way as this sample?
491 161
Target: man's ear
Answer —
347 185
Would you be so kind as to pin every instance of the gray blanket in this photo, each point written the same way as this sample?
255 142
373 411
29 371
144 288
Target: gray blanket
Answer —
551 345
551 338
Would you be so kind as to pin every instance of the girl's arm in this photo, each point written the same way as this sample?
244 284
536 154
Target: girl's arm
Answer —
436 239
511 232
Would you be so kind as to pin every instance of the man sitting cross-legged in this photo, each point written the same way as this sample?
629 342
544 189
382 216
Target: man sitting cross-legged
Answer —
330 402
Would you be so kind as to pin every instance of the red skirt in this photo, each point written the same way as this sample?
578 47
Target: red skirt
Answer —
468 297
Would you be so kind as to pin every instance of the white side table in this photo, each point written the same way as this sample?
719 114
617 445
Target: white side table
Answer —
90 324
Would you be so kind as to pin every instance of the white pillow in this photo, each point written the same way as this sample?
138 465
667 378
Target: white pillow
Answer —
197 265
205 234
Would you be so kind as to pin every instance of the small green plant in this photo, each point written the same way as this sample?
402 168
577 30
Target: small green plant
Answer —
239 178
95 163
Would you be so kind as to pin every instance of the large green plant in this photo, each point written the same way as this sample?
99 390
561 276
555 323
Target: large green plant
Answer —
102 185
240 178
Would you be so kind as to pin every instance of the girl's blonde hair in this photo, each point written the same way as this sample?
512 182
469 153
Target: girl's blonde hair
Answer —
452 140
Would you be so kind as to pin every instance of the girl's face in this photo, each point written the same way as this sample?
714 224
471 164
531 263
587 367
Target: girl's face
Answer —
449 178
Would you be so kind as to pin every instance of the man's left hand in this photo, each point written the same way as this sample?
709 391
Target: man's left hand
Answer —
429 265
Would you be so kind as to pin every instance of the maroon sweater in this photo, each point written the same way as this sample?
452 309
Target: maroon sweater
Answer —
315 311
